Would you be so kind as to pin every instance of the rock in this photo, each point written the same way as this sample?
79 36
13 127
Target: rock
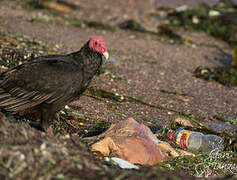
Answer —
195 20
130 141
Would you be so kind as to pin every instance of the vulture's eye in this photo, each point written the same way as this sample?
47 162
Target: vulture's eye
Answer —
96 43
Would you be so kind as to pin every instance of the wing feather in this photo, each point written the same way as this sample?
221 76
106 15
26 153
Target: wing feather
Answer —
38 82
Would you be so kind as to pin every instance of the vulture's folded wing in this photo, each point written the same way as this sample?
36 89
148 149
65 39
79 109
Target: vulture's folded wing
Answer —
49 80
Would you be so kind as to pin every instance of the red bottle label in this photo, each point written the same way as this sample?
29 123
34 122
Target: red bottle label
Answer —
182 138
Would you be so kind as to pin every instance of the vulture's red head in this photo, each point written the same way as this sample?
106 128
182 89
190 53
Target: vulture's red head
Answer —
97 44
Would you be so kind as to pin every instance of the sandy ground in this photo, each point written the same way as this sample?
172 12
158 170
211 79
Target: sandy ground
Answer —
144 66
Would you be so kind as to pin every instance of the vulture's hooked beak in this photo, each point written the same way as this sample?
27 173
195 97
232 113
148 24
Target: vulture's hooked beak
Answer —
106 55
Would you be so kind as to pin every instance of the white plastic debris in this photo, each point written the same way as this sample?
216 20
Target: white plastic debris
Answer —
67 107
214 13
182 8
121 163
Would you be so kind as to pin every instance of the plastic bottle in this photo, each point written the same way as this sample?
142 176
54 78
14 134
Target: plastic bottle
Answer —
197 141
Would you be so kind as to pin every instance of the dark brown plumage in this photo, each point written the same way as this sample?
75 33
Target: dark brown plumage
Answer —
48 83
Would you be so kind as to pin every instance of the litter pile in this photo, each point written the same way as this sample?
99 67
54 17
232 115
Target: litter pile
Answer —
136 144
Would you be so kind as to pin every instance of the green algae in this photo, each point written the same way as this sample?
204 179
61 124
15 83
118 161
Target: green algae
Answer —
33 4
168 35
217 21
132 25
224 75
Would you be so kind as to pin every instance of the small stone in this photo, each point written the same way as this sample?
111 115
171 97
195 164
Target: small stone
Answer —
67 107
112 60
214 13
67 136
43 146
22 156
169 113
195 20
57 45
79 166
122 98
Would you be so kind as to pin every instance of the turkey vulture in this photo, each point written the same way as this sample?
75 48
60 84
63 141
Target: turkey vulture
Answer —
48 83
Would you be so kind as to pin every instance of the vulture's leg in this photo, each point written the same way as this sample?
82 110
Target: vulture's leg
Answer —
48 113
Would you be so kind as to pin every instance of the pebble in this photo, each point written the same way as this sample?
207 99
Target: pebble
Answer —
67 107
195 20
22 156
43 146
214 13
112 60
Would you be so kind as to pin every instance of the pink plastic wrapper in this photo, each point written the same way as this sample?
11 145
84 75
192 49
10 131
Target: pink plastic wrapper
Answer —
130 141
